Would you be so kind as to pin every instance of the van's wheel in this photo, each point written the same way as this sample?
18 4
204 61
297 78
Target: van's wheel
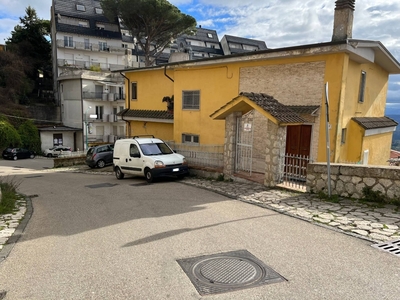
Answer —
148 175
101 163
118 173
49 155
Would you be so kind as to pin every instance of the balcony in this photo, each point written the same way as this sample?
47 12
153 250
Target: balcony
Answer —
103 96
88 65
90 47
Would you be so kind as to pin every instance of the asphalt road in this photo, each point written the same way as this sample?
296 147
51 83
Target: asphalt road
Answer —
92 236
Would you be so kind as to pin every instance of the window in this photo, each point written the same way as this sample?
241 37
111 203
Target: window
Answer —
134 90
68 41
103 46
87 45
121 108
82 24
134 151
99 112
363 80
57 139
98 10
344 133
210 35
191 99
80 7
190 138
124 45
100 27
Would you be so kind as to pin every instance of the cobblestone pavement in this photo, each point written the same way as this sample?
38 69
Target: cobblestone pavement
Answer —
375 224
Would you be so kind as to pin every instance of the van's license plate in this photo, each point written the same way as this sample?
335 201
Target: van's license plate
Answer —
175 170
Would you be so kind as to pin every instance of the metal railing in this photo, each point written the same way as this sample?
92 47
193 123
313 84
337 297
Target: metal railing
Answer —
209 156
103 96
293 171
90 47
88 65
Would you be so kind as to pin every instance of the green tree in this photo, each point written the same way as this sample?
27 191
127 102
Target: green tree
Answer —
8 135
29 136
30 41
154 23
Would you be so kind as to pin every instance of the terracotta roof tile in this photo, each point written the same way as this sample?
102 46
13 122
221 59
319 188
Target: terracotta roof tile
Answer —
278 110
148 114
375 122
304 109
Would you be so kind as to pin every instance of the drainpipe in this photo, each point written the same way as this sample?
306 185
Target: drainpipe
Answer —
166 75
128 123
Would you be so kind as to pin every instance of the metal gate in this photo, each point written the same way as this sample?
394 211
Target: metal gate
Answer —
244 143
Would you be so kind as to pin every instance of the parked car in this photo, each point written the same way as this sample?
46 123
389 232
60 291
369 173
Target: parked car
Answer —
17 153
57 151
100 156
148 157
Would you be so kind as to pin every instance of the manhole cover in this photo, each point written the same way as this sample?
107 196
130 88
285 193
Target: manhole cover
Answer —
391 247
226 272
100 185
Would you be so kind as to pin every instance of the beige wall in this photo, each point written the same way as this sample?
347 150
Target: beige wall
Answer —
290 84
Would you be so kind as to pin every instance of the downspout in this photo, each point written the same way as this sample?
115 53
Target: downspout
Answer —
128 123
166 75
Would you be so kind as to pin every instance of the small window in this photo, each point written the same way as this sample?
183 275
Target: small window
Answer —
134 90
68 41
210 35
100 27
191 99
99 112
87 44
344 133
82 24
190 138
80 7
98 10
103 46
363 80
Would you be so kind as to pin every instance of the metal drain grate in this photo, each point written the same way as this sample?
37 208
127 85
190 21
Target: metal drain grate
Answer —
392 247
230 271
100 185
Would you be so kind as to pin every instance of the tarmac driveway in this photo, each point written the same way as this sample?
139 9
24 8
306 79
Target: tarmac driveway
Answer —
92 236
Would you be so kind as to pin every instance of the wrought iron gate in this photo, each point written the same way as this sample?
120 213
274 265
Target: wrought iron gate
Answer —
244 143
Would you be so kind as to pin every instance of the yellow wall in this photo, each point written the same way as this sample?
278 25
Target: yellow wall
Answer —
379 153
160 130
220 83
152 87
351 150
217 85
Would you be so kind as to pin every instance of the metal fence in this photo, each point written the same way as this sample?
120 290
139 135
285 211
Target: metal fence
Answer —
293 172
210 156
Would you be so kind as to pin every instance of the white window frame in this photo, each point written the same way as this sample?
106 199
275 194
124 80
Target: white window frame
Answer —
68 41
363 81
80 7
188 138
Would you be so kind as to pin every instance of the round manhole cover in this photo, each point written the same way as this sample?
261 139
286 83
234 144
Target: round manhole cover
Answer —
227 271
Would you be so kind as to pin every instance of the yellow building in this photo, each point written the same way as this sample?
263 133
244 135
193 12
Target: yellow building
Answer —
261 106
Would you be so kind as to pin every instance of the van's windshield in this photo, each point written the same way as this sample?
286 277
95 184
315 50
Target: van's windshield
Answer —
155 149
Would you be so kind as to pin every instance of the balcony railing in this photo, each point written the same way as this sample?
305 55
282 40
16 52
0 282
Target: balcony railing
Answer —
103 96
88 65
91 47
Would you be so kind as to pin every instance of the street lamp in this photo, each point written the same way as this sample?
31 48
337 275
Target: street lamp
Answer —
86 127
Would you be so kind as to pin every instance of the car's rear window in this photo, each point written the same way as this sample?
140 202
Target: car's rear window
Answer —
90 151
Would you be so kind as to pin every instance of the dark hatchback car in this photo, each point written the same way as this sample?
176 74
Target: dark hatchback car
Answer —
100 156
17 153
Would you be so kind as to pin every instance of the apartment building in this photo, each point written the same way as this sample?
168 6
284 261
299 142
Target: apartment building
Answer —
86 47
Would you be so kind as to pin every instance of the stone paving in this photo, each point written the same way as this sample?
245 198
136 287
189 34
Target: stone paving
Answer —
375 224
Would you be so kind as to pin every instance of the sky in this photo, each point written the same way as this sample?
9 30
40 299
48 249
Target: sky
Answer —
280 23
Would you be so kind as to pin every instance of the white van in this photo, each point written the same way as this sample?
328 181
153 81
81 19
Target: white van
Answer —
149 157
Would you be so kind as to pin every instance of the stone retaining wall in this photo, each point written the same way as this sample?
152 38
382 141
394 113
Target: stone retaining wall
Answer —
69 161
349 180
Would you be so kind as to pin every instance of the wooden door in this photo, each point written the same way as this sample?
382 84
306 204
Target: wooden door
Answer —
298 140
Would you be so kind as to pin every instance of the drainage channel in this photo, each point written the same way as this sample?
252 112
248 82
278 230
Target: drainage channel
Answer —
392 247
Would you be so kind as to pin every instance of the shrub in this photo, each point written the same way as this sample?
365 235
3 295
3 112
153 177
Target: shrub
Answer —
9 135
8 195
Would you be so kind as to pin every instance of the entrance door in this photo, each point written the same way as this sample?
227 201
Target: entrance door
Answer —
298 140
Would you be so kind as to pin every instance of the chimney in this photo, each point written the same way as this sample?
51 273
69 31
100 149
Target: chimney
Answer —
343 21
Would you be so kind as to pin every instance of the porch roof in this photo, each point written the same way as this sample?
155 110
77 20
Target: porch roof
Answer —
375 122
146 115
267 105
